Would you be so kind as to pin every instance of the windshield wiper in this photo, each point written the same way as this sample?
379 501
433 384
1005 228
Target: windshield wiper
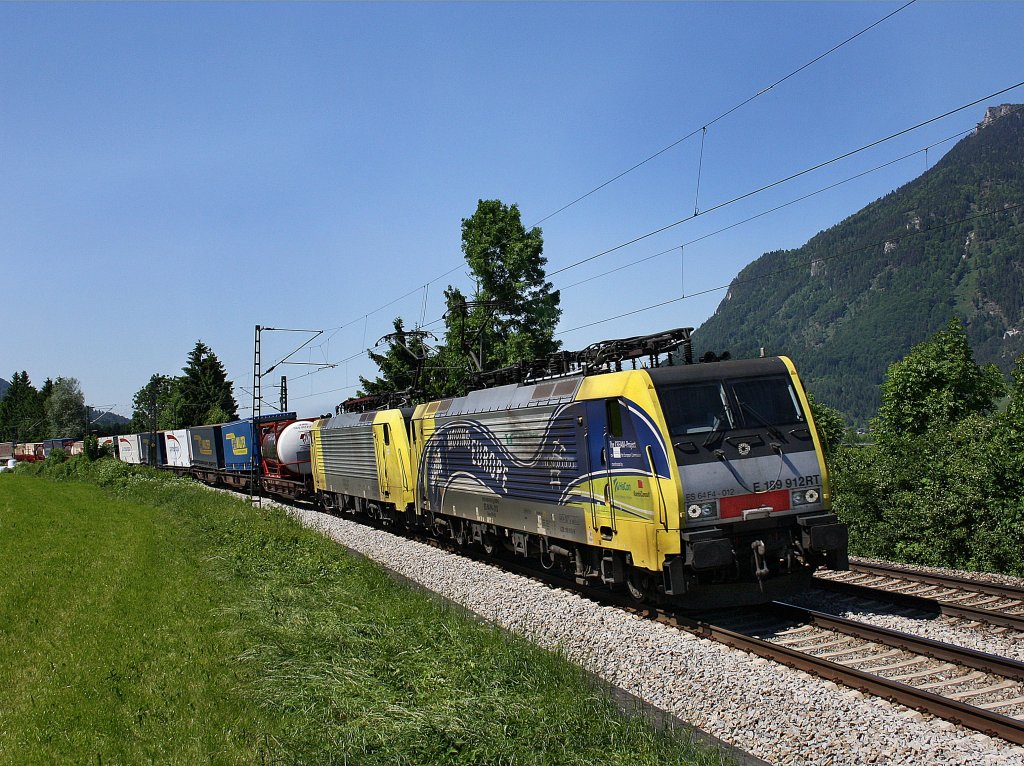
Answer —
760 418
713 435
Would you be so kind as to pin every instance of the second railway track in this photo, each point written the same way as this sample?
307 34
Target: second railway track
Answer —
960 597
975 689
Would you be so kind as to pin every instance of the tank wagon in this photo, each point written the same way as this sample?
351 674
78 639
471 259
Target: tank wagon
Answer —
285 462
702 484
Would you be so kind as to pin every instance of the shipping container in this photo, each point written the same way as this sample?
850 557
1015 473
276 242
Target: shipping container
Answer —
237 444
153 442
176 448
205 447
28 451
129 449
105 441
49 445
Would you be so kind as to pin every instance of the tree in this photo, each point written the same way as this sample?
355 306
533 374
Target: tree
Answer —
22 417
513 310
400 365
204 387
65 408
938 382
163 393
942 484
831 426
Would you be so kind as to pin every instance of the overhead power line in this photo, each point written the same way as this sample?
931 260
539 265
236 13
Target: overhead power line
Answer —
703 128
763 213
733 283
712 234
788 178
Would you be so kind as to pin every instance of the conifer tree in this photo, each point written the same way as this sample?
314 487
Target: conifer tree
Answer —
205 389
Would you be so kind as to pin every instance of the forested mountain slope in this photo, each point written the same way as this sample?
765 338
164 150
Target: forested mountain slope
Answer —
857 296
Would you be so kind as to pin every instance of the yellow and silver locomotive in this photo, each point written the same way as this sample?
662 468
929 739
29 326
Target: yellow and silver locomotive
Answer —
703 484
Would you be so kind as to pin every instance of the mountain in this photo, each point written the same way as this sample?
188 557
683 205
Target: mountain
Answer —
108 421
857 296
4 385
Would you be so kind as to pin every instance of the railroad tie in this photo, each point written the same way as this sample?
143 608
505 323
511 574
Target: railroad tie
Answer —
841 641
986 690
974 675
842 652
873 658
900 665
1002 703
926 672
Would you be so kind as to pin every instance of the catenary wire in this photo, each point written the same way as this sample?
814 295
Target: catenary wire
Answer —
781 181
725 204
766 212
776 272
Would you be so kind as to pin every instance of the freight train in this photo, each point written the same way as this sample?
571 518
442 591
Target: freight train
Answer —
697 484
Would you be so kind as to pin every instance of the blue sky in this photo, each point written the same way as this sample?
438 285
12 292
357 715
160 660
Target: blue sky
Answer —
171 172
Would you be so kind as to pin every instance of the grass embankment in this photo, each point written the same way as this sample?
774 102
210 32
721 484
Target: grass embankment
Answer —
150 620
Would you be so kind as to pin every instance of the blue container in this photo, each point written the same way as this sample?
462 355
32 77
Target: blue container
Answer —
206 447
238 444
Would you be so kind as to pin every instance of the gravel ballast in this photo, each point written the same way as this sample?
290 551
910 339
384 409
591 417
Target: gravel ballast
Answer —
773 712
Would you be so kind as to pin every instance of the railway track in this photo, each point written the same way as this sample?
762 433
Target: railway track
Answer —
982 602
978 690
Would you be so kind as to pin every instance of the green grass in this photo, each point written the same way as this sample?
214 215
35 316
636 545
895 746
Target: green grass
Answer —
150 620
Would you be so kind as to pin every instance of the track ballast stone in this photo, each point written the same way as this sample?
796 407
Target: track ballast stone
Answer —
782 715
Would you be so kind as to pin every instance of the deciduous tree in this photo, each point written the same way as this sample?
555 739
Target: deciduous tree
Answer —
938 382
65 408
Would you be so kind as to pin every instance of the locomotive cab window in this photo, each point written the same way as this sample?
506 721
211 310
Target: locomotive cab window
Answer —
387 434
767 401
695 408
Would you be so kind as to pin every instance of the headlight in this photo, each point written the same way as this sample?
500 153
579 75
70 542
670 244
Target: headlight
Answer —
708 510
804 497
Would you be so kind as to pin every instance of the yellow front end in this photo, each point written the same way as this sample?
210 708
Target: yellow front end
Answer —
635 504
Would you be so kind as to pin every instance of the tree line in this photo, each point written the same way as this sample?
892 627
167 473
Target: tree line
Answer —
201 394
30 414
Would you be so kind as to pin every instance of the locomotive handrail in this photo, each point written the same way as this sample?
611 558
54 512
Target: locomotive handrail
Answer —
662 506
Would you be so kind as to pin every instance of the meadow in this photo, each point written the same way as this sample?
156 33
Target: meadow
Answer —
146 619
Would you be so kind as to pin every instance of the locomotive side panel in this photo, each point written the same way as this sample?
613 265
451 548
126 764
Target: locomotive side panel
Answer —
515 469
346 452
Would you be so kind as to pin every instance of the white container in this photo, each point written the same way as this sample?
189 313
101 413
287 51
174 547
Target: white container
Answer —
129 448
176 445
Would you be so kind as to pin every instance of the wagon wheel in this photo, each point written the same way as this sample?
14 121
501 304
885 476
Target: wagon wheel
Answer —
459 533
489 543
640 585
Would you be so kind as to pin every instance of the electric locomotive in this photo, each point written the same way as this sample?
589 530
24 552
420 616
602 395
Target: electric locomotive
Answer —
702 484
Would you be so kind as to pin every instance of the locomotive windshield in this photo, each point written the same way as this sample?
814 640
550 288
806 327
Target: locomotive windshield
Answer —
695 408
725 405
